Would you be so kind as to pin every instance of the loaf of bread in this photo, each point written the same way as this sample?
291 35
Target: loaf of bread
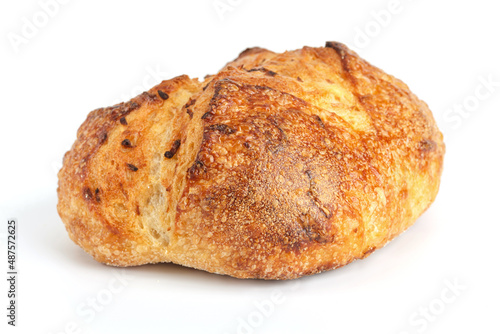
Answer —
280 165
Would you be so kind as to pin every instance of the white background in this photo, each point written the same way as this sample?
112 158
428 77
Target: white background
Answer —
90 54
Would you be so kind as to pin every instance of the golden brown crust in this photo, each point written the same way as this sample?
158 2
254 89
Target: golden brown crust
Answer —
279 166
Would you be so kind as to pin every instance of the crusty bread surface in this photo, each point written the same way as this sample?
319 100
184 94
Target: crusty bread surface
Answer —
280 165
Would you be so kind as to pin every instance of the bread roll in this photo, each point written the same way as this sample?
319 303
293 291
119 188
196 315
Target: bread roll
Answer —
280 165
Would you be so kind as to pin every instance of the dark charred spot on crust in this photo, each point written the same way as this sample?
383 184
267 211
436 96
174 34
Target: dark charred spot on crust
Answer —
137 210
196 169
123 109
87 194
219 86
163 95
341 50
320 121
312 230
271 73
97 196
132 106
263 69
175 146
204 88
119 111
426 145
132 168
207 114
103 136
190 103
126 109
338 47
149 97
223 128
246 144
126 143
299 79
123 121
